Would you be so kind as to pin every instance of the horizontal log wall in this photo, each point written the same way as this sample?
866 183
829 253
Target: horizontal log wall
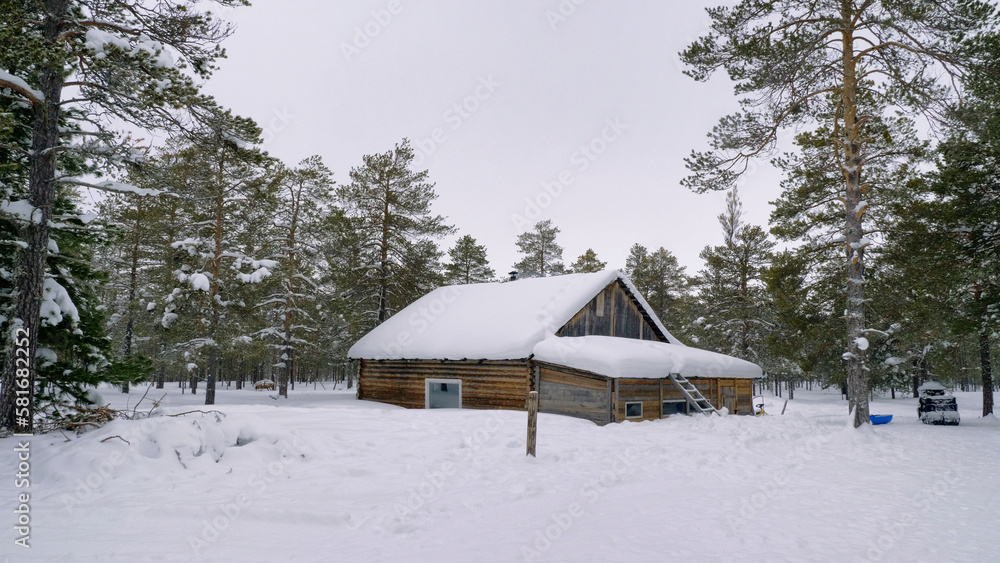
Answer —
490 384
646 391
563 390
652 392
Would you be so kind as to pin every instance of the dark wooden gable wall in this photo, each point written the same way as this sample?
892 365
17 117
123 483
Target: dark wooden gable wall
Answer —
613 312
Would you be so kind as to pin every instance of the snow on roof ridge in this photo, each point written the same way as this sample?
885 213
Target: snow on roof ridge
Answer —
491 321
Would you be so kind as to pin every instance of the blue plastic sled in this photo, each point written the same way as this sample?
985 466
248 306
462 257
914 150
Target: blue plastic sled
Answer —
880 418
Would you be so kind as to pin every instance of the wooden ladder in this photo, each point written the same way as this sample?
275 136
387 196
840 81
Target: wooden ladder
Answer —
694 397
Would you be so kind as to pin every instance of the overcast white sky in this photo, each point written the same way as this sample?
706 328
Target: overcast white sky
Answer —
501 98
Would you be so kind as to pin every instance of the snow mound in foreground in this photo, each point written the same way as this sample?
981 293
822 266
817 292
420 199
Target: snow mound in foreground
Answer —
210 436
203 443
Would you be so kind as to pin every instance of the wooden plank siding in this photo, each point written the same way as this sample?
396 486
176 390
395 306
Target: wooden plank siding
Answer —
487 384
734 394
645 391
652 392
564 390
504 384
613 312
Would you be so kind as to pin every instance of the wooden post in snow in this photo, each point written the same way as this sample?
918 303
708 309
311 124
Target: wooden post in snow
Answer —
532 421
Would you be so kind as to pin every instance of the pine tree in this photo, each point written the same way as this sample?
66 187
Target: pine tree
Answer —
660 278
114 61
732 293
305 197
225 185
72 351
168 317
803 300
791 61
587 262
809 212
668 288
967 187
542 255
388 208
635 263
468 263
947 242
134 221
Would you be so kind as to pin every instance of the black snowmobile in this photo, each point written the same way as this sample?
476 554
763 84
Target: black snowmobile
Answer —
937 405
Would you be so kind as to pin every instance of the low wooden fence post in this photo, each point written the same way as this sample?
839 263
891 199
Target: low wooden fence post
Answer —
532 421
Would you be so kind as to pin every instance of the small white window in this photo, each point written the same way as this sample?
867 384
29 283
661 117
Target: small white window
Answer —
633 410
443 393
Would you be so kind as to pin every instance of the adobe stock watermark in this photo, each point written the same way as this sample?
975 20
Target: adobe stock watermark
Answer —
752 167
694 33
766 492
454 117
561 521
422 317
227 513
88 485
895 530
22 506
434 481
562 12
580 161
23 416
365 33
278 121
547 320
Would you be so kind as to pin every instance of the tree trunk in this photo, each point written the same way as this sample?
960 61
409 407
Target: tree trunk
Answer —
213 351
383 284
987 369
211 375
287 352
286 370
30 277
133 277
854 207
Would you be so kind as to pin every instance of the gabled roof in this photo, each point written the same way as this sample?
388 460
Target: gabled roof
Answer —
489 321
642 359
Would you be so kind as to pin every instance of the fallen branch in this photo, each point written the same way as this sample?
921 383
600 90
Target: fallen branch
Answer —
148 387
86 417
116 436
198 411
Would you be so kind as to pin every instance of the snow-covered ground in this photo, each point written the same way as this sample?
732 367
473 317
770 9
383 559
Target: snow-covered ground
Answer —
323 477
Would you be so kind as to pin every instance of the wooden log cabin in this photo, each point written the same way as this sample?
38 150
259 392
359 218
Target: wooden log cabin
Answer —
588 343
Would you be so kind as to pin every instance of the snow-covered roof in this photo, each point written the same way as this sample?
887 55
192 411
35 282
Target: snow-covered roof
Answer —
628 357
491 321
